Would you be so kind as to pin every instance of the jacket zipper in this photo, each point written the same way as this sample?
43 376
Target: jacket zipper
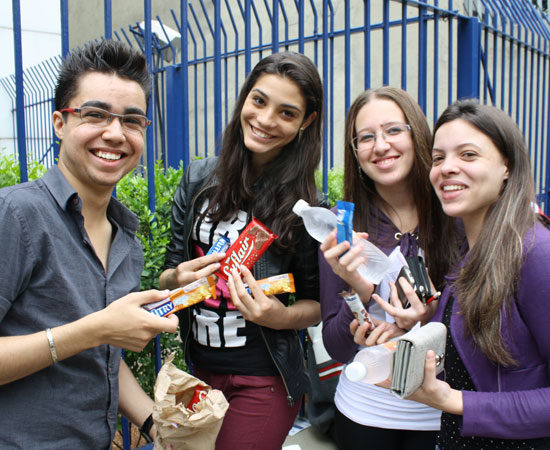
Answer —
289 398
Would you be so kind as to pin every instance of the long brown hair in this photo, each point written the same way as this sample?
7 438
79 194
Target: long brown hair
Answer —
490 277
360 188
286 179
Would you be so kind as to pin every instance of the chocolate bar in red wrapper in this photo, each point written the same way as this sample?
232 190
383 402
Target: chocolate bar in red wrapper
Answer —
247 249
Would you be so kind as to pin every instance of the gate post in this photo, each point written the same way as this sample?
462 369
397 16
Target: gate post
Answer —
177 144
469 58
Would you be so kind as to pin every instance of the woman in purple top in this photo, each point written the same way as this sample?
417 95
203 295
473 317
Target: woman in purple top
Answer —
496 393
387 161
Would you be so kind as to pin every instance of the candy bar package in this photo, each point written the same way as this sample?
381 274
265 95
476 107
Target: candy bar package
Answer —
184 297
188 413
357 308
277 284
344 228
247 249
220 246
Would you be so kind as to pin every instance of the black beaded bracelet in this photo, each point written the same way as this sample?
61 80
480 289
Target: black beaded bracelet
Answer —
146 427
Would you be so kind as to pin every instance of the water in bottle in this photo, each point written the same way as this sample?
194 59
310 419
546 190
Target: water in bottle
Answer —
372 365
319 222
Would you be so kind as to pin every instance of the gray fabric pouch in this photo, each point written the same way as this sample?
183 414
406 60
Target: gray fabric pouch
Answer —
410 355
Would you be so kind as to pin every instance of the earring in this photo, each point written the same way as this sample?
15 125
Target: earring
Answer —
300 133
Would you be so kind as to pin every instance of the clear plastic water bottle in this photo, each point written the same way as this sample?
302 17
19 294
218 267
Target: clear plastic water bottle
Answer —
319 222
372 365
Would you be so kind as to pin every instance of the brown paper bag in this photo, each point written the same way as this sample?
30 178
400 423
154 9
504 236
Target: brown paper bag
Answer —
176 424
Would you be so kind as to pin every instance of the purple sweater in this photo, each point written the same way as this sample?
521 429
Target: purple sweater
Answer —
511 403
336 314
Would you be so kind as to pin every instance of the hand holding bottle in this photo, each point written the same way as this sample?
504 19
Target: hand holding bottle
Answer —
345 260
320 223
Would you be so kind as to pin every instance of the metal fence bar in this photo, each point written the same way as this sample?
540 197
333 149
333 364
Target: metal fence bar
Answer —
217 75
404 46
435 89
325 71
386 42
19 100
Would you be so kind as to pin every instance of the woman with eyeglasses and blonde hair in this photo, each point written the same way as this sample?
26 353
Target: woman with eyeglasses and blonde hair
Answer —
387 163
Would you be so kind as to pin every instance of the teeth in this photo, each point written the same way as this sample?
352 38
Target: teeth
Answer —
385 162
109 156
453 187
260 134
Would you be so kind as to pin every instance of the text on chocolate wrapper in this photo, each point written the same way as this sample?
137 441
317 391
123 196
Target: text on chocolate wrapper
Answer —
237 257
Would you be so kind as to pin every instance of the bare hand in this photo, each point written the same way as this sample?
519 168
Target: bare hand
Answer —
406 318
124 323
190 271
367 336
437 393
345 266
259 308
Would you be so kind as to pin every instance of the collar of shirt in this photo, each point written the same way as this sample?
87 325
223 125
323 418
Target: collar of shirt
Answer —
67 199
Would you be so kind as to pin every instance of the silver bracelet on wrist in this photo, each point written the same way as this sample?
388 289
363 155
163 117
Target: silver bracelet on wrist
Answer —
52 345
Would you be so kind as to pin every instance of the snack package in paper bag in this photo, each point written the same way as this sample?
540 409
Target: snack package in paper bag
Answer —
188 413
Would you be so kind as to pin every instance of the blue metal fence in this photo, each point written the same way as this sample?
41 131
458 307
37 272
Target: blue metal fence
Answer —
497 50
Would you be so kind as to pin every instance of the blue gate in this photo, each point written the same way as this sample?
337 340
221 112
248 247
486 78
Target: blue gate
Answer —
496 50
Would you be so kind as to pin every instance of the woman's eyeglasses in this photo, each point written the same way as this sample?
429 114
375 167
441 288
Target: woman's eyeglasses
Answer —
102 118
391 133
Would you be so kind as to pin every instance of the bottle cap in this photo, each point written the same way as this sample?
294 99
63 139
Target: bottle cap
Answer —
356 371
299 207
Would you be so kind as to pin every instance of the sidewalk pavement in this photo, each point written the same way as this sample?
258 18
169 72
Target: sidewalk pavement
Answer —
305 437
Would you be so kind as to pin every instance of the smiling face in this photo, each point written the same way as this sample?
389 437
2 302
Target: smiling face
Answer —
92 157
387 164
271 116
468 171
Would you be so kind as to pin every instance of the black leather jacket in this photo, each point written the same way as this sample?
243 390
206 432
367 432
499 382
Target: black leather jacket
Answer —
283 346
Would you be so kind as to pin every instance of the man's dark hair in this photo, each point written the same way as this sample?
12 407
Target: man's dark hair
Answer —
108 57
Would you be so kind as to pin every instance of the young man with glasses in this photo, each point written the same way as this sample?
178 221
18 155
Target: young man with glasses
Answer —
68 297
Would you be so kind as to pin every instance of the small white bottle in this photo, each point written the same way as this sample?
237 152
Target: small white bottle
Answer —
372 365
319 222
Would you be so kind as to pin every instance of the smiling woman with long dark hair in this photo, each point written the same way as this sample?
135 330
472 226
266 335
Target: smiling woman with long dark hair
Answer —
496 392
246 344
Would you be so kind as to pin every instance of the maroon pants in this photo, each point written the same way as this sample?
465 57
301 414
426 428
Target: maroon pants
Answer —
259 416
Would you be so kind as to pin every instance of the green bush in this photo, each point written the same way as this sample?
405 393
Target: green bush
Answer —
10 173
335 184
154 234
